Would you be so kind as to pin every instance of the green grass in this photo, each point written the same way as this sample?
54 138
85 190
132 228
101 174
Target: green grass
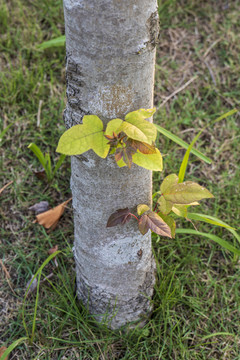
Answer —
196 300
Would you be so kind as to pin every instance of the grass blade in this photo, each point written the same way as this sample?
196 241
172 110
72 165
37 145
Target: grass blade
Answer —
218 334
2 133
208 219
11 347
182 143
35 149
48 167
225 244
224 116
34 277
57 42
184 163
35 308
59 163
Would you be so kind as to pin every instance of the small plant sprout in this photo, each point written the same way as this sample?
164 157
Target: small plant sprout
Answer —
45 161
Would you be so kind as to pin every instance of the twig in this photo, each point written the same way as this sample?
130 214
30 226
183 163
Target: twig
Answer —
210 71
5 269
5 186
178 90
7 275
39 113
211 47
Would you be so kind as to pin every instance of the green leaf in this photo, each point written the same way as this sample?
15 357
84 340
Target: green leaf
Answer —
35 149
121 163
180 210
57 42
164 206
150 161
186 193
98 142
225 244
137 128
81 138
155 223
168 181
113 126
170 222
146 113
208 219
182 143
142 208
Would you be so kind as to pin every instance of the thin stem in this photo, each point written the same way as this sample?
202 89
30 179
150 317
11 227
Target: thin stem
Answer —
134 216
155 207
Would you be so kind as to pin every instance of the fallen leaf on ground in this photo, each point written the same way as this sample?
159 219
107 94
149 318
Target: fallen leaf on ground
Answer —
49 219
5 186
39 207
2 351
34 284
53 250
41 175
32 287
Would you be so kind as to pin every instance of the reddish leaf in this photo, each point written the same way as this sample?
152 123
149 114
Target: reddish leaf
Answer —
121 216
41 175
118 154
53 250
155 223
143 147
2 351
127 156
40 207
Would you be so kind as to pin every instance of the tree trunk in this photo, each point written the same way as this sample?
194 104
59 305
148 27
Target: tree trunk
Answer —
110 72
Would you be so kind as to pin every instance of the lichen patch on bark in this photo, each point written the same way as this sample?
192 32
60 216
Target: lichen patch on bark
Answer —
115 99
153 29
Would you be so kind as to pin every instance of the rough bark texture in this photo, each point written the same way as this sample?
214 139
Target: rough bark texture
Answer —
110 72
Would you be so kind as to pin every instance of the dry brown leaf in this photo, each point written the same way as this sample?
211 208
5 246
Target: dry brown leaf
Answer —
53 250
5 186
49 219
41 175
2 351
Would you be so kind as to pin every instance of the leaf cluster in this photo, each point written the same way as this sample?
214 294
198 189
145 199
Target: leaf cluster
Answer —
175 198
130 140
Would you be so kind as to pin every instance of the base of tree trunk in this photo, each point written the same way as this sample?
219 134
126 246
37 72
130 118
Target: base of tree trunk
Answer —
117 312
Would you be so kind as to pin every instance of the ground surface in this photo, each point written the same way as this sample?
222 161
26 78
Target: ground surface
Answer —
197 298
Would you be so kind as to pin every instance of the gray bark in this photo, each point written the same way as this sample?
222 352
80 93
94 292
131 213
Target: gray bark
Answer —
110 72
